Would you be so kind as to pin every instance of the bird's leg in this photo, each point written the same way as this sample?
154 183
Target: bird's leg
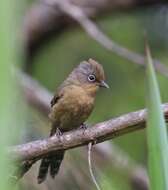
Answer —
58 132
83 126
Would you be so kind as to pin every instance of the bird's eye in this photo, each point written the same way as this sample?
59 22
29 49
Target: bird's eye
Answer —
91 78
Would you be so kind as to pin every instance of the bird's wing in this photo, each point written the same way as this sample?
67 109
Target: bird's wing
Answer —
56 97
54 100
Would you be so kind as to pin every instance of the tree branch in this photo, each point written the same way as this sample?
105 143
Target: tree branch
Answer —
76 13
35 94
39 98
98 133
40 21
95 33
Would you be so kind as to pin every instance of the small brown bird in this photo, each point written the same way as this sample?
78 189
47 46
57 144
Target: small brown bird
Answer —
71 106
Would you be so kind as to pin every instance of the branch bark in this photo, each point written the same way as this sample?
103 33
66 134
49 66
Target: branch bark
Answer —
39 97
98 133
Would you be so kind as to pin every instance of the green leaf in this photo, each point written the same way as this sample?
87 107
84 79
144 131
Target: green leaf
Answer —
156 132
9 92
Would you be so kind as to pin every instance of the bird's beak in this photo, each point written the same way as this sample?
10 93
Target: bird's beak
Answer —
104 84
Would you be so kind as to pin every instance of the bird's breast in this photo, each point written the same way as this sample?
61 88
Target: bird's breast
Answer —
72 109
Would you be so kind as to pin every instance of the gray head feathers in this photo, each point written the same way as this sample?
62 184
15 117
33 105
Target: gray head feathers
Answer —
81 73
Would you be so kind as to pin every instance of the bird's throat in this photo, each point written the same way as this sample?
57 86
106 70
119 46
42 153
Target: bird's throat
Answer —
91 90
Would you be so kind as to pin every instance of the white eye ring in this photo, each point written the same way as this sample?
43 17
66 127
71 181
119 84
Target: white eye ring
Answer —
91 78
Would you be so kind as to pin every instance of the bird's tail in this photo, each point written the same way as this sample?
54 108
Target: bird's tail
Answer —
51 163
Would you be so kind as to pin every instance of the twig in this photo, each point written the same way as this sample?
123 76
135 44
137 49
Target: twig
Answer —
90 167
95 33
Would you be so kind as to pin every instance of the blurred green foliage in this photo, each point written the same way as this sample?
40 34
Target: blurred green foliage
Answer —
156 132
9 93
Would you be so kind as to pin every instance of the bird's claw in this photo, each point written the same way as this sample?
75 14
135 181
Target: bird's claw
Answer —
58 132
84 126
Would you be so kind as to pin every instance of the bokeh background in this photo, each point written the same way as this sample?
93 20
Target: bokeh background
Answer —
124 158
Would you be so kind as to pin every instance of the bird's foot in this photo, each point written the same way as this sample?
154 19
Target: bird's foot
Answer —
58 132
83 126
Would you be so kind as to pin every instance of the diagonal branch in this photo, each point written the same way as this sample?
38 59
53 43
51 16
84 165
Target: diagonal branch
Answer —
95 33
41 22
78 15
39 97
35 94
98 133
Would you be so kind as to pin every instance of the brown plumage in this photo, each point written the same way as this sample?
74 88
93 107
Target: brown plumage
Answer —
71 106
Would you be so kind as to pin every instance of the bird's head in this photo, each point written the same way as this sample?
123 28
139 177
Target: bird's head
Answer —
90 75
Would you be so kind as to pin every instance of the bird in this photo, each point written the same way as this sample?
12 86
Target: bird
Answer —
71 105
